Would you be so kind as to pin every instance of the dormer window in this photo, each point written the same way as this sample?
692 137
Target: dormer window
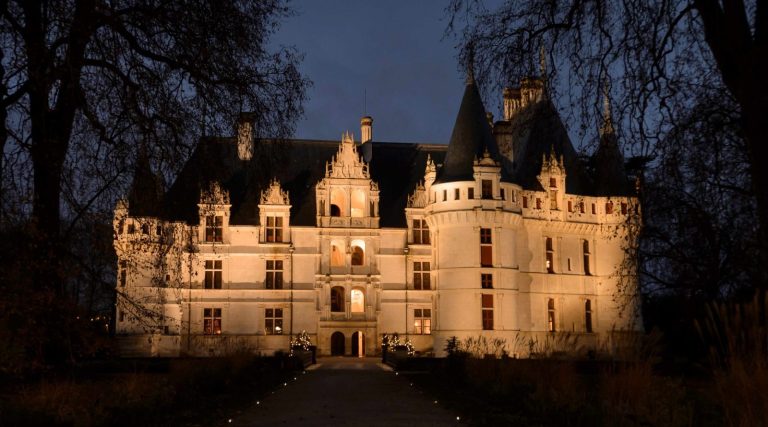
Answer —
552 183
214 225
274 229
487 189
420 232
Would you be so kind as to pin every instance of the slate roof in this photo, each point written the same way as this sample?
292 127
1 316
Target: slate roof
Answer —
298 165
470 138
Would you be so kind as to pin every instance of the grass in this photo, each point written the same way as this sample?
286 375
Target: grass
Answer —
150 392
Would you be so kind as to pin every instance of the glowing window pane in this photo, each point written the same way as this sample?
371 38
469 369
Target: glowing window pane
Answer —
357 301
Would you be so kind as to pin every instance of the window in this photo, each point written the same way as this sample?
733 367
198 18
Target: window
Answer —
145 229
422 321
421 276
273 321
159 230
487 312
594 210
609 208
486 281
538 203
487 189
588 316
470 193
550 253
358 252
337 254
552 183
274 277
456 194
358 203
122 316
212 321
213 228
338 202
525 202
445 195
274 229
120 226
623 208
569 264
131 228
357 301
587 253
337 299
581 207
503 194
553 200
570 206
420 232
551 315
486 248
212 274
123 272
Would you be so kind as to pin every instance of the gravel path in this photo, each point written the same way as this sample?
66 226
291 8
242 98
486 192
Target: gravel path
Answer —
346 392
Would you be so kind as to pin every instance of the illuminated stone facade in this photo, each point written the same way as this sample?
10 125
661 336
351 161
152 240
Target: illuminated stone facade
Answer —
504 233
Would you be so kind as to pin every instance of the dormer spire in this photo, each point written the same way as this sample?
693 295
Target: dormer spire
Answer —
470 63
607 127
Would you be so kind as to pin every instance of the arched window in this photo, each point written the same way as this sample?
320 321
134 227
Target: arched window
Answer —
337 253
551 315
357 301
338 202
358 252
358 203
337 299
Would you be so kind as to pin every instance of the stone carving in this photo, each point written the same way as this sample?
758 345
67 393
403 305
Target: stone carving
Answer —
274 195
214 194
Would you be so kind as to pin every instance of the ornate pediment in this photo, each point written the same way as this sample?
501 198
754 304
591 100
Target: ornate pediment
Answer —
274 195
347 162
551 165
214 194
419 197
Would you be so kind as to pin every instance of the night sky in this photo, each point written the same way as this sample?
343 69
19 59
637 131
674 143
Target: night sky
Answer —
393 50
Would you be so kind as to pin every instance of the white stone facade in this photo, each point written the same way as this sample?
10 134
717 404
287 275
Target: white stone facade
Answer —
478 258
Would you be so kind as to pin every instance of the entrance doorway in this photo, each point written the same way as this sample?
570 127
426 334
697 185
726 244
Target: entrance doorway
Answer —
337 344
358 344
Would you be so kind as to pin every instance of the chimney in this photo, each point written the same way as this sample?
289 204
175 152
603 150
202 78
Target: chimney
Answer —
366 129
512 102
244 137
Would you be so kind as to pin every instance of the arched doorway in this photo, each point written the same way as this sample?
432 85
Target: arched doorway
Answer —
358 344
337 344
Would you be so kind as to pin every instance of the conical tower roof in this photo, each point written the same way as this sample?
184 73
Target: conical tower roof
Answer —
145 195
610 175
470 138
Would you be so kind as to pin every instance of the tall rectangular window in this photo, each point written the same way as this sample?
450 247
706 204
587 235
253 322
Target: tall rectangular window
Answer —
588 316
587 256
503 194
552 183
486 248
487 312
212 274
274 229
623 208
123 272
213 228
609 208
487 188
456 194
274 278
594 210
212 321
553 200
486 281
581 207
422 321
551 315
273 321
550 256
570 206
470 193
445 195
421 276
525 202
538 203
420 232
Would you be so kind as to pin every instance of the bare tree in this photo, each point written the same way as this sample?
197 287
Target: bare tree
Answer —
85 83
668 60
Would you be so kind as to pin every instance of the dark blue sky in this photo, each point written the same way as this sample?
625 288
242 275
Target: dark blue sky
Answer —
393 50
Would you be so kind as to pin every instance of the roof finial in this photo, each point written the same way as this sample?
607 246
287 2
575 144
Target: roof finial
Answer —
470 62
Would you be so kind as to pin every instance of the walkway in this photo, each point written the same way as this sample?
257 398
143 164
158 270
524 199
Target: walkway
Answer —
347 392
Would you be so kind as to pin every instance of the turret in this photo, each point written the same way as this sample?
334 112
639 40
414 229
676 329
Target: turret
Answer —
366 137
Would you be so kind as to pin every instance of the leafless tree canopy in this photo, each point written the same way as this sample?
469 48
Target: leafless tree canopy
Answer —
686 78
